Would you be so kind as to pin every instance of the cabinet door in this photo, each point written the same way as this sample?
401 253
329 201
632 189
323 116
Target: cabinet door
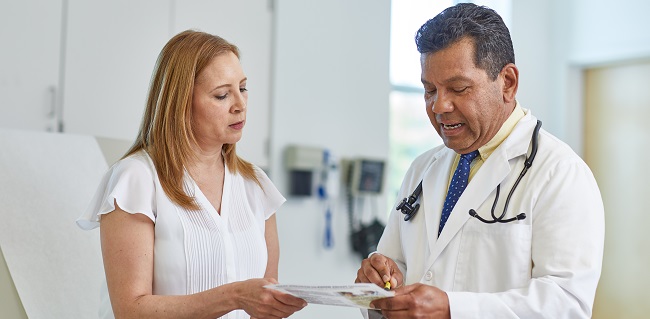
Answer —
30 35
247 24
111 50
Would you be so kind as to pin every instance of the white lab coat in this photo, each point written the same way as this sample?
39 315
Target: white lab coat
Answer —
545 266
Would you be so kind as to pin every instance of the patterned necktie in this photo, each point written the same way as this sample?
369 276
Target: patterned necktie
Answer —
456 187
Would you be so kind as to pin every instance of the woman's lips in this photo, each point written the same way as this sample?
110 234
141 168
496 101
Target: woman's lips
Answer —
237 126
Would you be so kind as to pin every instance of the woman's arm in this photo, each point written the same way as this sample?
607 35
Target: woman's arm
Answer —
127 249
272 247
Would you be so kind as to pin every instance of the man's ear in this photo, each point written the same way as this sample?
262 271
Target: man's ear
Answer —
510 76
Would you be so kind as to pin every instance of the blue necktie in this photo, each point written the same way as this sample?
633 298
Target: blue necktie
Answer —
456 187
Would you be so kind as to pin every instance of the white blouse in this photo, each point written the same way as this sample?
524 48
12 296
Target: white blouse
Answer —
193 250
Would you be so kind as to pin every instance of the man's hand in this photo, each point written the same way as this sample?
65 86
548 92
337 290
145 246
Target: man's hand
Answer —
415 301
379 269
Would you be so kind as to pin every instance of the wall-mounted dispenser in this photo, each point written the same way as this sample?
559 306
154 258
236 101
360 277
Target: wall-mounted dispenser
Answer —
312 172
303 163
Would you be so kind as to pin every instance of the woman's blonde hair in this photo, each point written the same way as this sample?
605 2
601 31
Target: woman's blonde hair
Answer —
166 131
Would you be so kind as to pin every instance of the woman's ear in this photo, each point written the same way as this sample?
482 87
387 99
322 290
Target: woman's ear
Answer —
510 75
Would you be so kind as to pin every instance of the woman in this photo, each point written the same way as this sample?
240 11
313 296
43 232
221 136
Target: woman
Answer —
187 227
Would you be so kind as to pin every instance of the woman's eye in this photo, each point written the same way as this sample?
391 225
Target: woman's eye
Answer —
221 97
242 90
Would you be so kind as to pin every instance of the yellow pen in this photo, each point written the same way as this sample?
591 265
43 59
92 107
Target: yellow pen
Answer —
387 285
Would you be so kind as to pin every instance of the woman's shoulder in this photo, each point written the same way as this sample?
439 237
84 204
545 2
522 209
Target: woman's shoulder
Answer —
262 181
263 195
259 172
137 165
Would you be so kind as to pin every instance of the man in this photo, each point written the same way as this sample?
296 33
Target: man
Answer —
522 240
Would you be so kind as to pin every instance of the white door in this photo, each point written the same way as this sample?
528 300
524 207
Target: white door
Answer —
30 35
616 148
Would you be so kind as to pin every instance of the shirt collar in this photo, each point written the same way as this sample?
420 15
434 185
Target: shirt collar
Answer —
508 126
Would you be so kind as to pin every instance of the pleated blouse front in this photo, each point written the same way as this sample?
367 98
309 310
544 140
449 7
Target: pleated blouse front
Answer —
193 250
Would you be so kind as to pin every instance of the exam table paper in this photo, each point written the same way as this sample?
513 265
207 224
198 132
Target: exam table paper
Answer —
46 181
356 295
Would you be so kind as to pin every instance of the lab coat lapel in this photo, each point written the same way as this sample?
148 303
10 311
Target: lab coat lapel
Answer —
492 172
434 189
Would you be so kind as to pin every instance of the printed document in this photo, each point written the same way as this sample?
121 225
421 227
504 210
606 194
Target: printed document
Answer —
355 295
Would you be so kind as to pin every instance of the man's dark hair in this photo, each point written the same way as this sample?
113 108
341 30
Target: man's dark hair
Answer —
492 43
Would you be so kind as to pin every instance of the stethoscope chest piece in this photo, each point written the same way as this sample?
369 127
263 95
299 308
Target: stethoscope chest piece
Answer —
407 206
408 209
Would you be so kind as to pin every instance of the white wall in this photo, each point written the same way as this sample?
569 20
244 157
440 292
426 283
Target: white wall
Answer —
532 41
330 90
604 31
599 32
554 40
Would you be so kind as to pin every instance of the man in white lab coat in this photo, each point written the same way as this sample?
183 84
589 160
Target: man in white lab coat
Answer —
525 237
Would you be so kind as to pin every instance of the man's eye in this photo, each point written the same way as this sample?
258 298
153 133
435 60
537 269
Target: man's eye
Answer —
460 89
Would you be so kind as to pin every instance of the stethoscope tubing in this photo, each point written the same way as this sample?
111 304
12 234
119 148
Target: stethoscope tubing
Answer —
407 207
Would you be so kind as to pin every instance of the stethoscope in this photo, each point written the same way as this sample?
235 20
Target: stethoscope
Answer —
407 207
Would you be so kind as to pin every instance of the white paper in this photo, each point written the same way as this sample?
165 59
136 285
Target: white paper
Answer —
46 181
355 295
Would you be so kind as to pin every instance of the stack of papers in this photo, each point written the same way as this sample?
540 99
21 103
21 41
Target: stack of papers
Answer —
356 295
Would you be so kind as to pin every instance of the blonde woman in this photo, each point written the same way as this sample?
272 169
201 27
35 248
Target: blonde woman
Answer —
187 227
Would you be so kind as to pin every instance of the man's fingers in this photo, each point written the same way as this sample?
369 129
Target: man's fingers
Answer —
373 275
367 273
394 283
378 269
382 265
361 275
390 303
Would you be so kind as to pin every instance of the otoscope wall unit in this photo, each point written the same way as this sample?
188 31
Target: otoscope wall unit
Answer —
302 164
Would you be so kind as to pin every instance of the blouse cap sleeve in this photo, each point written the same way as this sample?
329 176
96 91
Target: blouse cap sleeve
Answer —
130 183
269 198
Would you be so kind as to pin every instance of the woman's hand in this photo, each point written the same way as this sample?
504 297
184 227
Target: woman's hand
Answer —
264 303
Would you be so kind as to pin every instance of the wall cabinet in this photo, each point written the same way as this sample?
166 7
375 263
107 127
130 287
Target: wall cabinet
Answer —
93 76
30 33
111 49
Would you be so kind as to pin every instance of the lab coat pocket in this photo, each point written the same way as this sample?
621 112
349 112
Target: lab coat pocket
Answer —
493 257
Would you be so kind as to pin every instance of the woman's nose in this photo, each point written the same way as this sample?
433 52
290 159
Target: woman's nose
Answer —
240 102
